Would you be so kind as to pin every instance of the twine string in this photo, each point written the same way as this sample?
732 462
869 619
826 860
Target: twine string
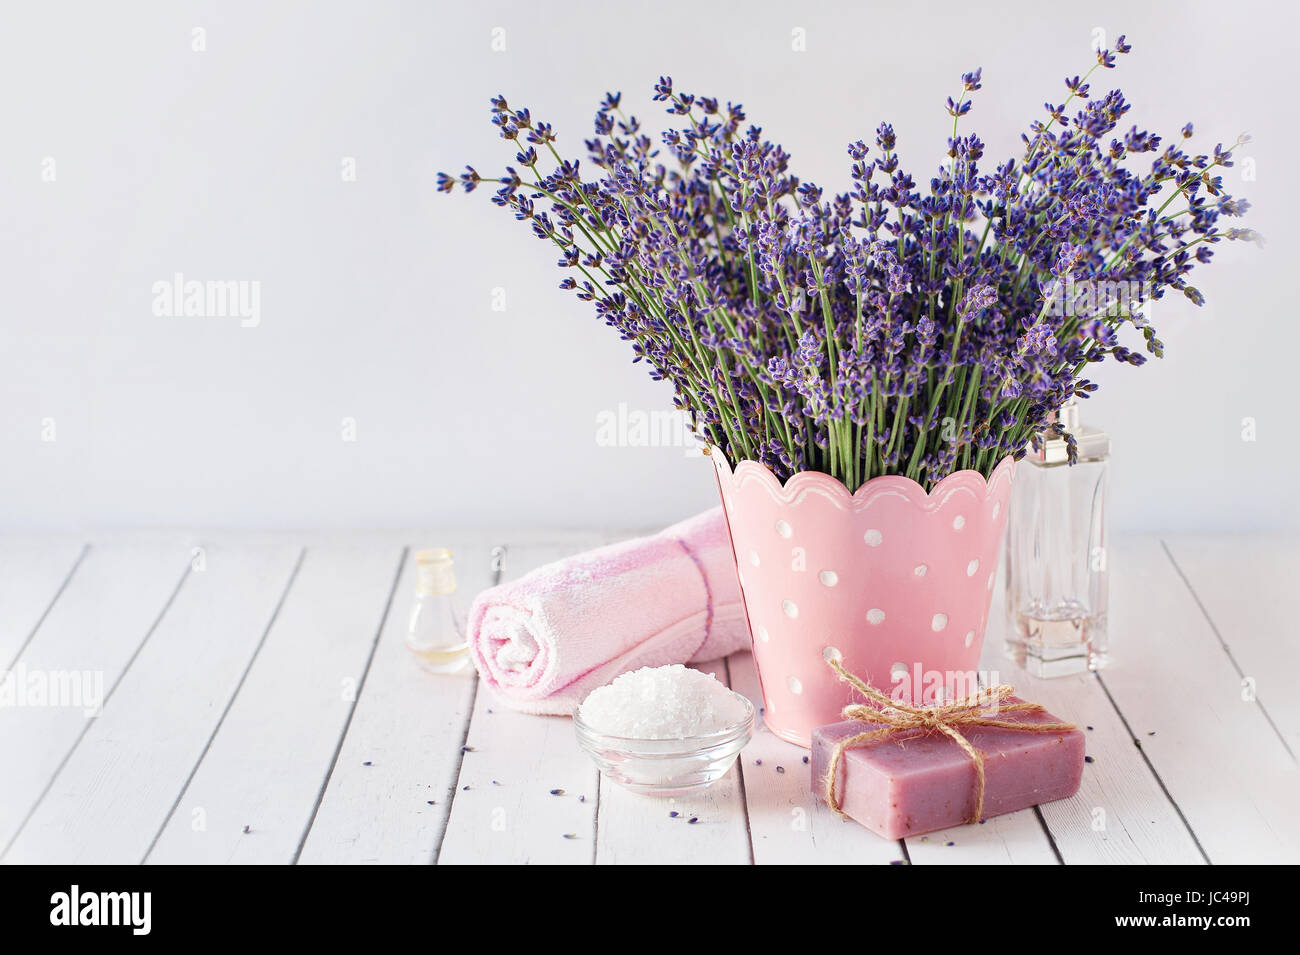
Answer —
946 718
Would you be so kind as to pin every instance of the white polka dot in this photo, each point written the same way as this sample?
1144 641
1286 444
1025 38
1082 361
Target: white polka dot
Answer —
970 637
763 635
795 686
958 522
783 529
973 566
876 616
829 578
939 621
873 538
898 671
996 508
832 653
789 607
920 570
753 557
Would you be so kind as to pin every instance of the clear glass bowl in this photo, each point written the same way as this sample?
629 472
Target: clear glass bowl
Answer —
667 767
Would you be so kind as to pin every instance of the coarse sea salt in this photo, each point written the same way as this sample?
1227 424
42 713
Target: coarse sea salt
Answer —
669 702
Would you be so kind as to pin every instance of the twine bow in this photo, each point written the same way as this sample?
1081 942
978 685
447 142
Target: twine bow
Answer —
946 718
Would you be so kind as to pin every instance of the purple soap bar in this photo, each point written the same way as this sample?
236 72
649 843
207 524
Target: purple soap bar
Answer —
913 782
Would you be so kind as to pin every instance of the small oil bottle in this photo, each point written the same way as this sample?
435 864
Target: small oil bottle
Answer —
1056 553
436 634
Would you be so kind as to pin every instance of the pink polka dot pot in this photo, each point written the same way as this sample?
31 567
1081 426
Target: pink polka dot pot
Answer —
892 581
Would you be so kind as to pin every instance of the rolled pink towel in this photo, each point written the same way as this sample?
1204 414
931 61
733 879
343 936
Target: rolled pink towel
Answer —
546 640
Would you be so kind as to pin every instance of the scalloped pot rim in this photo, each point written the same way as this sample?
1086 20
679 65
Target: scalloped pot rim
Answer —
818 482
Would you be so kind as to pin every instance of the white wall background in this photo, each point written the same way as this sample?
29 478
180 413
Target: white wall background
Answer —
376 294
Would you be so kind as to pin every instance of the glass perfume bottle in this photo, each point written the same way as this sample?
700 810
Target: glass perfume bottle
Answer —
1057 562
436 633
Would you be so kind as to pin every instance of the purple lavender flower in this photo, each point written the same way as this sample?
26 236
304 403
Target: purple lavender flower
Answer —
836 331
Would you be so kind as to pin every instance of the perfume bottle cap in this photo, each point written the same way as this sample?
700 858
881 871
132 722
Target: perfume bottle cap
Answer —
1092 443
435 572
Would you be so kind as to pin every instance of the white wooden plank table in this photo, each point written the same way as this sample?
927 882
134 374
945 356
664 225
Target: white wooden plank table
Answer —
258 705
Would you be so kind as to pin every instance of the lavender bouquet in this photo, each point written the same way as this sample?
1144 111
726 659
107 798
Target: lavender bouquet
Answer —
879 330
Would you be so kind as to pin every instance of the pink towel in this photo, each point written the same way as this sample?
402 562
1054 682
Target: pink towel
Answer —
546 640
